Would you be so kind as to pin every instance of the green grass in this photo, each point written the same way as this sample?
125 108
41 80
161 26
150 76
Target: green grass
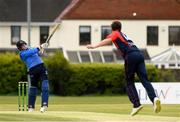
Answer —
87 108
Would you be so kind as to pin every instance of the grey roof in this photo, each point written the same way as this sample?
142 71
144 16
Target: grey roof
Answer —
41 10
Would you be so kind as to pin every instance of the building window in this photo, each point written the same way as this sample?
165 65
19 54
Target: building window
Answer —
85 35
174 35
44 33
152 35
105 31
15 34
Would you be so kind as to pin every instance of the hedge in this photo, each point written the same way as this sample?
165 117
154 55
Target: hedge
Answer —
96 79
101 79
59 73
169 75
12 70
76 79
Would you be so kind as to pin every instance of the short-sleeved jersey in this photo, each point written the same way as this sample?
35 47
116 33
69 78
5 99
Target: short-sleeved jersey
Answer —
122 42
31 57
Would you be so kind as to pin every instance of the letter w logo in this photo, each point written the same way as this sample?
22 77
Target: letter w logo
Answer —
162 93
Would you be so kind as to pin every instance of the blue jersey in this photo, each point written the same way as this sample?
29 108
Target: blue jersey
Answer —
31 57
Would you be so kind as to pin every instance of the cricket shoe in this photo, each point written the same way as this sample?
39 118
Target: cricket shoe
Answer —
157 105
30 109
43 109
136 110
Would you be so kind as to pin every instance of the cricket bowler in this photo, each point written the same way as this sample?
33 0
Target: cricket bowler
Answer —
134 63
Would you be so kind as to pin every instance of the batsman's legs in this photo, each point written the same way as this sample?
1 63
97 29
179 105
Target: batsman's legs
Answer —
33 89
45 93
44 89
32 96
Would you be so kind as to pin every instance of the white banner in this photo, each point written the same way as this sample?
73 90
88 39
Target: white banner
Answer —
169 93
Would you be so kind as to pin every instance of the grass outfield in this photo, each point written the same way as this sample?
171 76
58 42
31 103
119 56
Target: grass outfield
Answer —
81 109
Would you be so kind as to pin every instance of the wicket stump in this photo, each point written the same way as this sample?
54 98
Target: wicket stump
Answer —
23 96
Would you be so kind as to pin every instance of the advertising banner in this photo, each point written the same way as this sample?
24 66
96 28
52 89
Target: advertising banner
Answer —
169 93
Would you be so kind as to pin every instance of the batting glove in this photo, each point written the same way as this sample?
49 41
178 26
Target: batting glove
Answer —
44 45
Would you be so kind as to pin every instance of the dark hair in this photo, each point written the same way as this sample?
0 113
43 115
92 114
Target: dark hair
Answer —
20 43
116 25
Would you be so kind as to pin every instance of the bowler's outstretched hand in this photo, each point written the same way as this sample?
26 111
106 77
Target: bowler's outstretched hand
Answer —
89 46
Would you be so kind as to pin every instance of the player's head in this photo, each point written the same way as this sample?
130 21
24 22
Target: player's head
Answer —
116 25
21 45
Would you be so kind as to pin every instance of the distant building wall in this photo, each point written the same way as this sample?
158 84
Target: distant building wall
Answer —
135 29
67 36
5 35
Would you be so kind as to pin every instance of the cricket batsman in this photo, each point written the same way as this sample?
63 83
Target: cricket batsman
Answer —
134 63
37 71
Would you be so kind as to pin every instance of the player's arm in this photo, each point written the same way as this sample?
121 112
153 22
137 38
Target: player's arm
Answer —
33 51
100 44
42 46
29 52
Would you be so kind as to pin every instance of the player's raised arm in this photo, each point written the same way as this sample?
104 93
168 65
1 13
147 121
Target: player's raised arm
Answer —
100 44
30 52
